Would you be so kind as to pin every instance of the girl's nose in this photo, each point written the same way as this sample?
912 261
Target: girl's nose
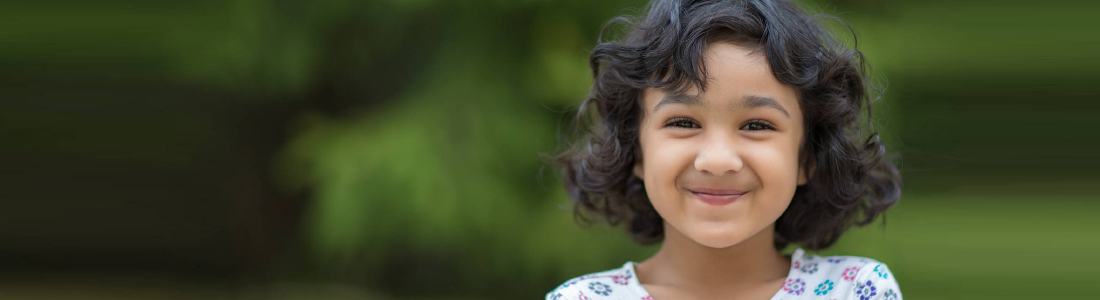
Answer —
718 156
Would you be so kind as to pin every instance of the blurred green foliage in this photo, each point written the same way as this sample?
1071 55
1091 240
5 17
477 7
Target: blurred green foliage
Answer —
420 130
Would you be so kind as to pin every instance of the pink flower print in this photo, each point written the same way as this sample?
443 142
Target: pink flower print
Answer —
622 279
795 286
850 273
581 296
647 297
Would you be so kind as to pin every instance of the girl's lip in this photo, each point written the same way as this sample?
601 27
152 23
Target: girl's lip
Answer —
716 191
717 197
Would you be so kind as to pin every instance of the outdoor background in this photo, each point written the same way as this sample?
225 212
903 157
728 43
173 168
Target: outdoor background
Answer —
339 149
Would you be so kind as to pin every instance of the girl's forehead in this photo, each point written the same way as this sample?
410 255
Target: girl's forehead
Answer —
733 69
736 76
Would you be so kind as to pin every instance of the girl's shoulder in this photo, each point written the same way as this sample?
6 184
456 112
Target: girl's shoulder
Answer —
811 276
841 277
619 283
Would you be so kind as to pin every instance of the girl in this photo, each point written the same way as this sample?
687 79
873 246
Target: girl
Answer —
727 130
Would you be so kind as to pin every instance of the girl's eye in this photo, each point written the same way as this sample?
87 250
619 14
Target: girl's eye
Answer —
758 125
682 123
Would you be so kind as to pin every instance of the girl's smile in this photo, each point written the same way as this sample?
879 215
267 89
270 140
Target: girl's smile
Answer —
721 164
716 196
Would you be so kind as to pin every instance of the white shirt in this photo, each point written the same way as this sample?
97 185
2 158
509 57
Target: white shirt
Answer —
810 277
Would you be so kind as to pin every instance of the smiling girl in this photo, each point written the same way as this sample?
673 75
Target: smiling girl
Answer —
727 130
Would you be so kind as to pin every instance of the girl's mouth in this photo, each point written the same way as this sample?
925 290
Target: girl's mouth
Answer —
717 197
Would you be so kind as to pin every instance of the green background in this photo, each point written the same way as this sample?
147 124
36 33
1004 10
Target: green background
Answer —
337 149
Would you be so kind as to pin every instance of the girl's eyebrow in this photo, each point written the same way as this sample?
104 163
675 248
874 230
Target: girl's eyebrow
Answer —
681 99
747 102
754 101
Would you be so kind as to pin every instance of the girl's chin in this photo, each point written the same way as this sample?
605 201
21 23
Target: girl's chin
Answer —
717 238
717 243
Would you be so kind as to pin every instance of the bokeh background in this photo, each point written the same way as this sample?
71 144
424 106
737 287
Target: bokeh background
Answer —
339 149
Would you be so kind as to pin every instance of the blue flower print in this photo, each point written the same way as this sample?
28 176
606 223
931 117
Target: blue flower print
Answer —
809 268
824 288
881 271
865 291
568 283
556 296
890 295
600 288
835 260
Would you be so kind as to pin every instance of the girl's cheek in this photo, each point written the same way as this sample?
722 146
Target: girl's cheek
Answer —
772 151
667 158
775 162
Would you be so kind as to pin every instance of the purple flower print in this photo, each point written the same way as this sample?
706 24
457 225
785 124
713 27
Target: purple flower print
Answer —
795 286
865 291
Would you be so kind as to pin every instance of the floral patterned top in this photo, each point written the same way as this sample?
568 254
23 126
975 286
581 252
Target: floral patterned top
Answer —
810 277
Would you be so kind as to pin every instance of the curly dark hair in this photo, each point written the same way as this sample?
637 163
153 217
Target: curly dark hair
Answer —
851 181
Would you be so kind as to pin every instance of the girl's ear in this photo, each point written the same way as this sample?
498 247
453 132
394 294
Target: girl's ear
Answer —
639 169
803 176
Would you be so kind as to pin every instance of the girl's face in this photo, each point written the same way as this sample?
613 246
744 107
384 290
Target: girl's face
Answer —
722 166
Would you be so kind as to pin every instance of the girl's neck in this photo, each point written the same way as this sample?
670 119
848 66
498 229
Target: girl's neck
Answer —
682 262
